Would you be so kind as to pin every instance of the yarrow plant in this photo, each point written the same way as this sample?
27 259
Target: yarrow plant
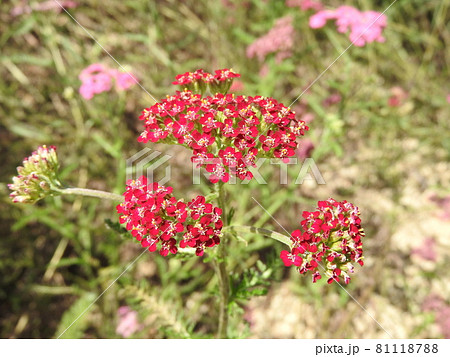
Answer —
225 134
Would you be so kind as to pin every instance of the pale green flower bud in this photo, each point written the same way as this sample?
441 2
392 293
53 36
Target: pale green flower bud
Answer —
37 178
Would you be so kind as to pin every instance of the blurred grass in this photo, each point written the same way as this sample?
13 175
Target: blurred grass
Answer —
59 253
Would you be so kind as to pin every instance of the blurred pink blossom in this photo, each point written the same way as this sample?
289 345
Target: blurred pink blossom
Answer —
448 98
398 96
237 86
436 304
427 250
279 40
304 149
320 19
305 4
364 26
308 117
128 322
123 80
332 99
97 78
49 5
444 204
228 4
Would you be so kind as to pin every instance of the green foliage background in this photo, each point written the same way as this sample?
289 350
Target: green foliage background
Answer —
57 256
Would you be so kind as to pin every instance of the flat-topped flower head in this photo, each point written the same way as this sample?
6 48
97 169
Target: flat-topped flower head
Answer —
331 238
159 221
37 178
226 133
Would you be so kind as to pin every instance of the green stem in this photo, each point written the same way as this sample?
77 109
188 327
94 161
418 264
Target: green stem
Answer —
91 193
221 270
265 232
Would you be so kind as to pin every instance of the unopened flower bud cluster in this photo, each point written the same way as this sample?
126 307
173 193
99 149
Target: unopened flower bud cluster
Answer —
37 177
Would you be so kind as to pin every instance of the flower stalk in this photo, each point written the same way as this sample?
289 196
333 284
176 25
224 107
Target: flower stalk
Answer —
221 268
91 193
265 232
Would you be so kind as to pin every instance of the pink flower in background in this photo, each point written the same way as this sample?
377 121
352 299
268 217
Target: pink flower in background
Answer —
305 4
398 96
448 98
444 204
301 110
427 250
368 28
308 117
279 40
364 26
128 322
345 17
228 4
237 86
332 99
123 80
320 19
95 79
436 304
305 149
98 78
43 6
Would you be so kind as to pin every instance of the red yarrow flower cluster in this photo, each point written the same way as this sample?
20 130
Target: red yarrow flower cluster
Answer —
331 239
226 133
158 220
